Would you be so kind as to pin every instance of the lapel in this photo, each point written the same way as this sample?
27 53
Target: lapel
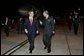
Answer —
48 19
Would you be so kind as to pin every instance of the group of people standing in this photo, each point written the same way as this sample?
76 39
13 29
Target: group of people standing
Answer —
7 24
73 20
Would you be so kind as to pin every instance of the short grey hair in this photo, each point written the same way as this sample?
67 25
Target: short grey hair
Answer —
46 12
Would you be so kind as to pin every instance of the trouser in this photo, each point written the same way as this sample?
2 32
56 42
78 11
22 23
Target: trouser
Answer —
76 28
69 25
6 30
19 28
31 41
47 41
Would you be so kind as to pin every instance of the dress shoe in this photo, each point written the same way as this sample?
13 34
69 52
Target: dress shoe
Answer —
45 47
30 51
49 51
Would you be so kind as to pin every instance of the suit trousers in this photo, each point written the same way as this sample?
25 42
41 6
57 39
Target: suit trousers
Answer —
69 25
47 40
31 39
6 30
76 28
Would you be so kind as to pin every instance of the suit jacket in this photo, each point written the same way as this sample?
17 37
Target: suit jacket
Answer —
31 28
48 25
75 21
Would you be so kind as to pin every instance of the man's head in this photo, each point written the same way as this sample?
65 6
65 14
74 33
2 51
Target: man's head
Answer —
31 13
7 18
45 13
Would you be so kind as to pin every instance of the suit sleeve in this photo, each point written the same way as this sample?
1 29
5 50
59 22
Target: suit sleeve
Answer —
52 24
37 24
25 24
43 22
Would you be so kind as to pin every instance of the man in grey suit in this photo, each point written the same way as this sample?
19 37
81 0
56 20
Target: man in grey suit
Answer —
7 25
48 24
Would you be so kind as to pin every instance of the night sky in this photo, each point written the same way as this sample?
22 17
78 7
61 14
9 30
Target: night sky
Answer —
10 7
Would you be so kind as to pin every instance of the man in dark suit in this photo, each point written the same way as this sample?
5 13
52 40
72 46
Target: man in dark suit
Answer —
76 22
48 24
20 25
30 26
69 20
7 24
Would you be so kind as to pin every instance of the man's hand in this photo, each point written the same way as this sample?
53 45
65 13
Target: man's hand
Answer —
2 24
37 32
41 22
53 32
26 31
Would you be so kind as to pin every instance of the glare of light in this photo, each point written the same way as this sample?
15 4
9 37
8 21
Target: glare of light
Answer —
78 8
23 12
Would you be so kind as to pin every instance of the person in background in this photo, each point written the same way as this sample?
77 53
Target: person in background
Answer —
20 25
76 22
70 22
6 27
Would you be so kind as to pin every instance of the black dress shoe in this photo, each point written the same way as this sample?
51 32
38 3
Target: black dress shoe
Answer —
30 51
49 51
45 47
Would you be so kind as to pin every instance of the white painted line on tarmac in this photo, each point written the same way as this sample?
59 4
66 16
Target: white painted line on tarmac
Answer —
12 50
